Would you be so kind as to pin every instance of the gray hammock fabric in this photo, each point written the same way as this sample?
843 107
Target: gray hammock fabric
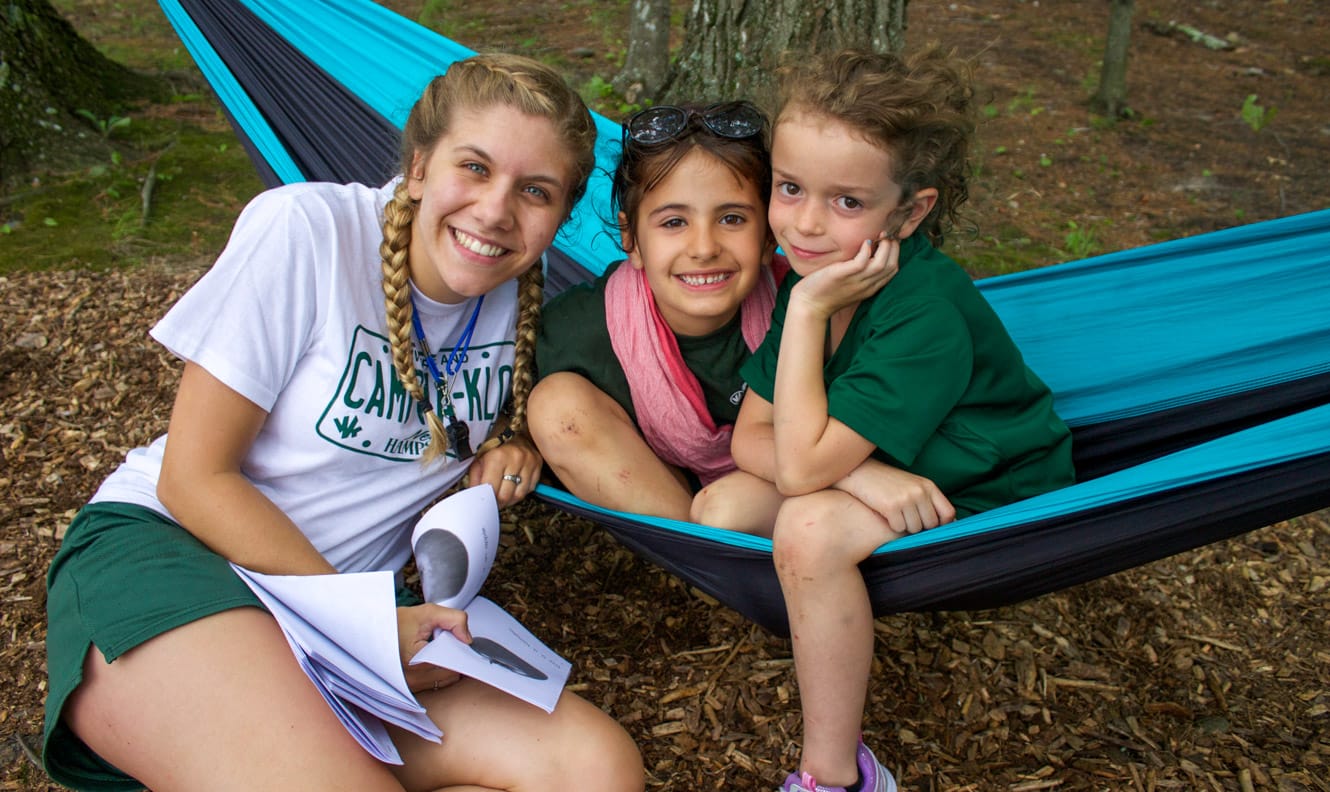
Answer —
1195 373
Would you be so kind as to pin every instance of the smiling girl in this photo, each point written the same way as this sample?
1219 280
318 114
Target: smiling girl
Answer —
291 450
640 369
870 161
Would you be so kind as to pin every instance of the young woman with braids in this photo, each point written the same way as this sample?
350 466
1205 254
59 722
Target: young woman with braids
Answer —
308 432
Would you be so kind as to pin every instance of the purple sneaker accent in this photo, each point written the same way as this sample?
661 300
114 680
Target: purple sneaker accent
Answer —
875 777
803 782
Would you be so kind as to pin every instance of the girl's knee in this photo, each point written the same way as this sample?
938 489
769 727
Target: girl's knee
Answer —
737 502
806 541
559 410
712 507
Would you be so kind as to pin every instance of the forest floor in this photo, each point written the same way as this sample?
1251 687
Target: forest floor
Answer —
1206 671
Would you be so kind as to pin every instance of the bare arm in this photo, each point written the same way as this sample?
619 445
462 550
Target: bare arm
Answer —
812 449
753 444
909 503
212 428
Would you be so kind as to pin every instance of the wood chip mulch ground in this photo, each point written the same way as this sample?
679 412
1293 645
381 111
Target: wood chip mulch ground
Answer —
1207 671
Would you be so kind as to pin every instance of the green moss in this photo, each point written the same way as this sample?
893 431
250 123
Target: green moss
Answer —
95 217
1005 250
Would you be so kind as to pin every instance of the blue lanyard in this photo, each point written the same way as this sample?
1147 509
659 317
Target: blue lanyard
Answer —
456 430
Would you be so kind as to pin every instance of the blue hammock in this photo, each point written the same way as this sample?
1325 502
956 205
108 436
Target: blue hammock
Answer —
1195 374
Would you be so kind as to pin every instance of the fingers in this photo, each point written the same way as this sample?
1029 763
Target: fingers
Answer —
439 617
920 508
513 470
516 482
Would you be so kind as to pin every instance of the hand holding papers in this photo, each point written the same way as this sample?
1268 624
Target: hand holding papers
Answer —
455 543
343 628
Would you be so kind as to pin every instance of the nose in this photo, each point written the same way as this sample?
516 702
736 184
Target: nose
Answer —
808 218
702 243
494 205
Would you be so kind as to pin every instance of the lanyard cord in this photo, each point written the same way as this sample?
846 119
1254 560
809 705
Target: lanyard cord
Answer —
457 435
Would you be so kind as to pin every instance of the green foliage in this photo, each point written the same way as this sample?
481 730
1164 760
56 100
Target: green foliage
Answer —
104 125
1255 115
95 218
1025 103
600 96
1009 249
1080 242
1102 122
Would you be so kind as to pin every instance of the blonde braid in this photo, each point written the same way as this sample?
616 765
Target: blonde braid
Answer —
530 297
394 253
479 82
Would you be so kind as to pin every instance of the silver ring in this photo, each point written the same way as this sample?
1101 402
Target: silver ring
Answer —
436 684
513 477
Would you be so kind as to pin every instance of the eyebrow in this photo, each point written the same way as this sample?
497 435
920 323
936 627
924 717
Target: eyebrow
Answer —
684 208
543 178
851 189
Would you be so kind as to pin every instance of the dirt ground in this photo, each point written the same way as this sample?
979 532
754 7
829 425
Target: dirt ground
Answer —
1206 671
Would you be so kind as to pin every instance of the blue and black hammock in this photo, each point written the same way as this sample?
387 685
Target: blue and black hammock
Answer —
1195 374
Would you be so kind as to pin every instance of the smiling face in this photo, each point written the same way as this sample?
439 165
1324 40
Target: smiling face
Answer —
492 193
702 240
831 189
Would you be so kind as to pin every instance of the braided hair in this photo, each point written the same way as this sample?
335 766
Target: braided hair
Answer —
478 82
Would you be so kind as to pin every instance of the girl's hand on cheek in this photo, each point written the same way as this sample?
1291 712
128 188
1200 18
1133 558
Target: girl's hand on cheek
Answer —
847 283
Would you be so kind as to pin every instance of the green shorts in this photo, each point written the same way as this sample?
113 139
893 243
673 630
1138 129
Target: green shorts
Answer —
123 575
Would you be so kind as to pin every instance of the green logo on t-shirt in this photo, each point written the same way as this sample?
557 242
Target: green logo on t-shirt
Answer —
371 413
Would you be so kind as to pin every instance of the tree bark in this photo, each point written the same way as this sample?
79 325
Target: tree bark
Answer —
732 47
1111 98
647 62
48 73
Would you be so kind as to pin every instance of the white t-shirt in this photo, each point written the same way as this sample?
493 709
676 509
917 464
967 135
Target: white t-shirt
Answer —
291 316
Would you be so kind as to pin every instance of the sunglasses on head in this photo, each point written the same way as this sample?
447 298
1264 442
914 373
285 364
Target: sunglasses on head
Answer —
662 123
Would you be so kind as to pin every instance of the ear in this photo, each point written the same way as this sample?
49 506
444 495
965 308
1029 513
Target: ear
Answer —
626 242
415 178
769 249
922 203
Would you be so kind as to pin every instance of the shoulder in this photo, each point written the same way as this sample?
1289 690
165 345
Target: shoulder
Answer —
577 304
929 280
318 200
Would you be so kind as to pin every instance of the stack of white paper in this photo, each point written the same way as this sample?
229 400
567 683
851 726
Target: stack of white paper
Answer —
343 628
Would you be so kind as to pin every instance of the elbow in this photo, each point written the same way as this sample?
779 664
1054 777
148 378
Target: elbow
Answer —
791 481
168 489
175 487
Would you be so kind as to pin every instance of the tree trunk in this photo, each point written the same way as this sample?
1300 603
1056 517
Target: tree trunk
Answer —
1111 98
647 62
731 47
48 73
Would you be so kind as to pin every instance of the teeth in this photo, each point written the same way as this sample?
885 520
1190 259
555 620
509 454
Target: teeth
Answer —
704 280
476 246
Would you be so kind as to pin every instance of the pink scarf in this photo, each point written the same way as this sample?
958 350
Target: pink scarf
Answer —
668 400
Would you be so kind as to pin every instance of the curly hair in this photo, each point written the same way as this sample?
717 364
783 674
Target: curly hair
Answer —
920 109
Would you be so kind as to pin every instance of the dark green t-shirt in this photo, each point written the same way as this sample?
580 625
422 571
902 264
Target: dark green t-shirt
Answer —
929 375
574 337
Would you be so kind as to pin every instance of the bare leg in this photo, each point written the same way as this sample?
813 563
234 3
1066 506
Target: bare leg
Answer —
589 442
218 704
819 540
739 501
494 741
